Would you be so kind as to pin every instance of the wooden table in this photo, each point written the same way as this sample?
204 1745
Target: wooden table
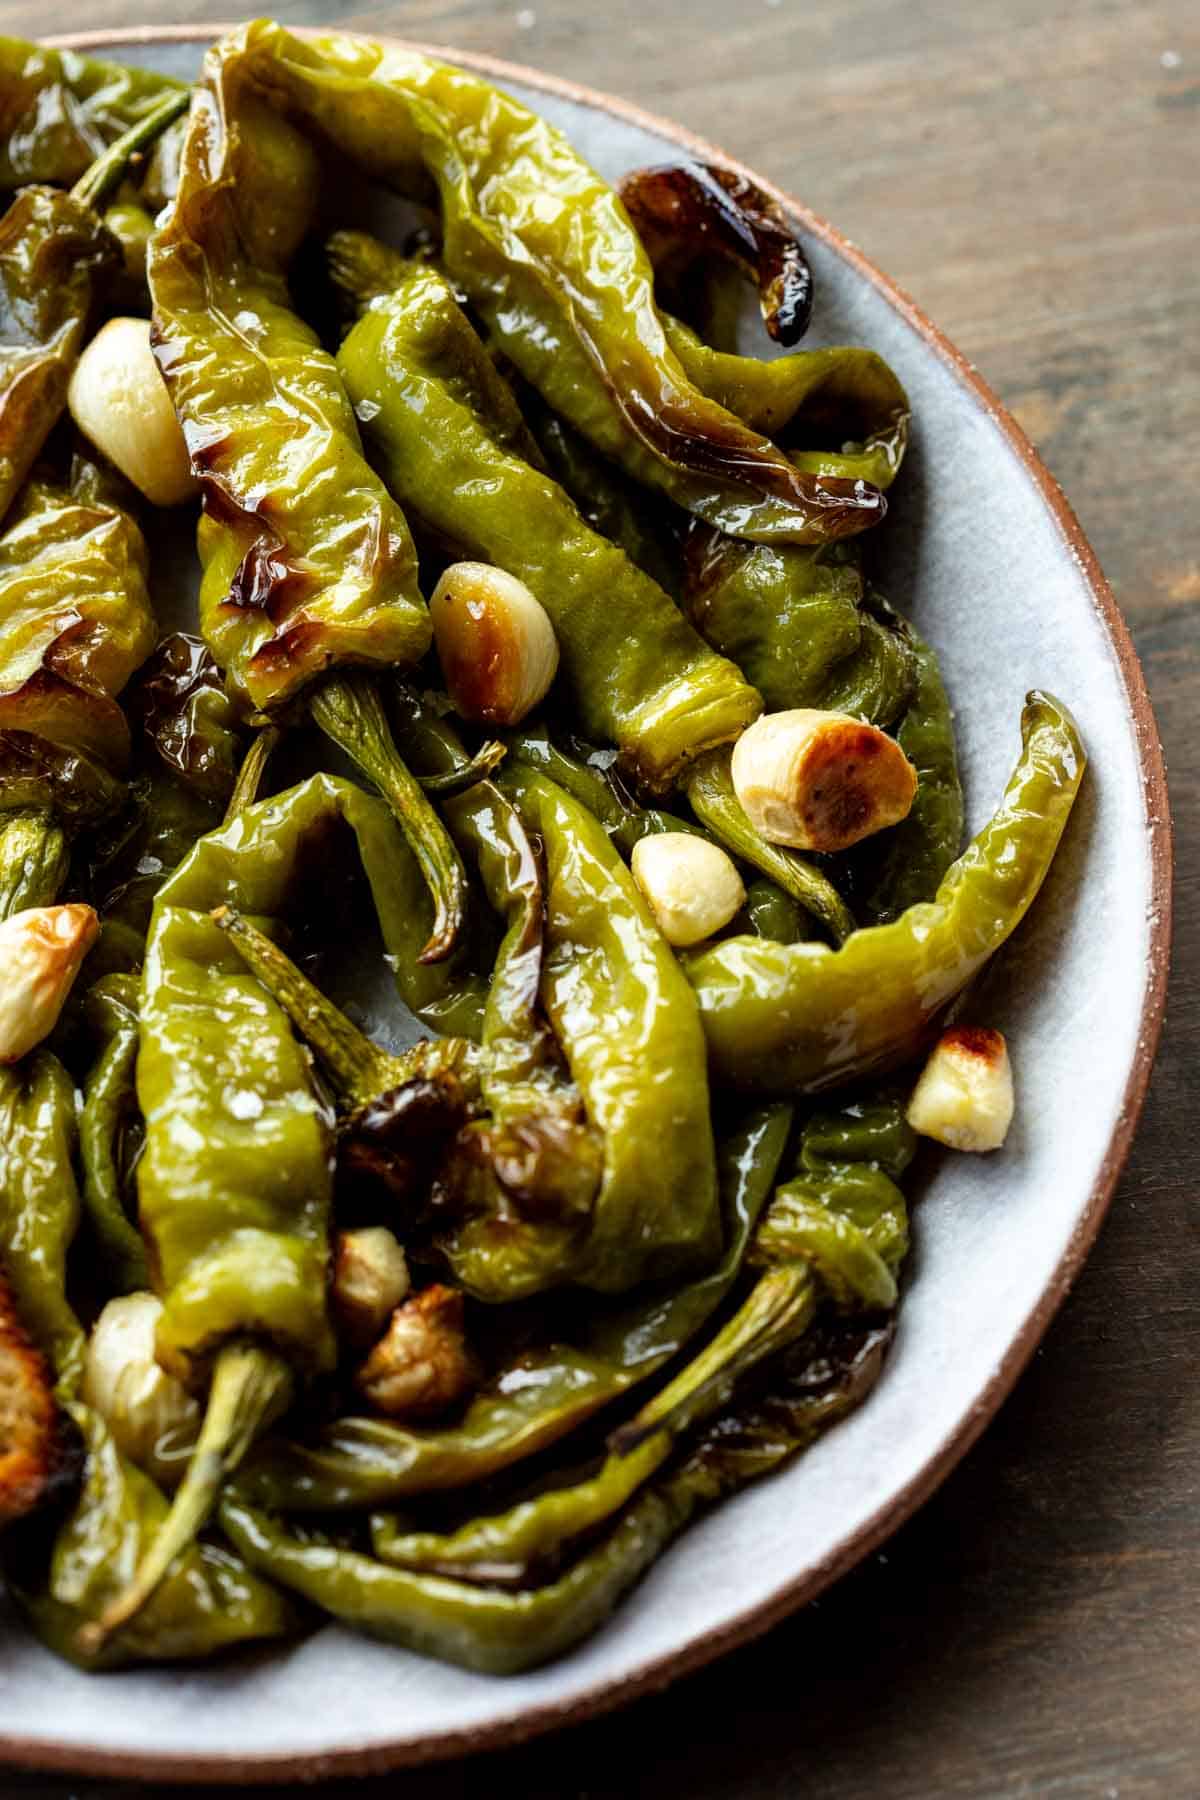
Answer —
1031 175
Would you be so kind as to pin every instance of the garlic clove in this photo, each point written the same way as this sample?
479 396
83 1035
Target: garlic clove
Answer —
820 780
422 1364
119 400
495 643
41 951
964 1095
692 886
153 1419
370 1279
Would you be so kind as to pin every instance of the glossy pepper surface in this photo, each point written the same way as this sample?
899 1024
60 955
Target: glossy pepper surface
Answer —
611 990
210 1600
308 561
787 1017
55 257
542 1392
75 622
60 110
635 673
549 259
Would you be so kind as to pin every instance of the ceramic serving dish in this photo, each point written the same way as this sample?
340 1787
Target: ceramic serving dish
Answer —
983 550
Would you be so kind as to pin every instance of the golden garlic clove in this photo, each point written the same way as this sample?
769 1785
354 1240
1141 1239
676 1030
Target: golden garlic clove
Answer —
41 951
692 887
820 780
370 1279
495 643
119 400
964 1096
422 1365
153 1419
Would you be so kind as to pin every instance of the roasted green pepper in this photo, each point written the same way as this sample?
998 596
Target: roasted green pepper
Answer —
107 1121
210 1600
55 252
634 671
59 110
308 562
548 257
502 1633
544 1392
789 1017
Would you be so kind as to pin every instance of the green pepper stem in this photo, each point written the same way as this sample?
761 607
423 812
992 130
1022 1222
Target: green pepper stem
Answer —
485 761
360 1069
778 1309
33 859
710 791
254 767
251 1387
108 170
348 711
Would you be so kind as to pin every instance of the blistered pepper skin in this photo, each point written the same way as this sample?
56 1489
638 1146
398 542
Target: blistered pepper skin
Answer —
552 264
59 110
782 1018
634 671
75 622
545 1392
308 562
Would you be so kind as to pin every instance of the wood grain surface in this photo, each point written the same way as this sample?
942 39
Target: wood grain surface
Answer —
1031 175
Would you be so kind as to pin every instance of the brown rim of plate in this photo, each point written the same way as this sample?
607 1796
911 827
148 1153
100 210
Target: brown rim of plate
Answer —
377 1758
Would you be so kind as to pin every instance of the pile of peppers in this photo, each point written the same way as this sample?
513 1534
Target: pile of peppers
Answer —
362 968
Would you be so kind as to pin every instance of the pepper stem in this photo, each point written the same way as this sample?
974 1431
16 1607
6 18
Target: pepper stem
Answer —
360 1069
711 795
33 859
108 170
348 710
778 1309
251 1386
254 767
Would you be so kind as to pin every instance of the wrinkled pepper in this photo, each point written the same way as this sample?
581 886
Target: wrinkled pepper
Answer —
60 110
75 622
548 257
501 1632
210 1600
800 1017
632 669
545 1391
55 254
308 562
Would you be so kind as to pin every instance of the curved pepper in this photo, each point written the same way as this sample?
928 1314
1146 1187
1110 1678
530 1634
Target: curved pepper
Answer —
635 671
839 1228
308 561
548 257
59 110
500 1632
610 987
796 1017
109 1105
33 859
75 622
686 212
210 1600
55 252
543 1393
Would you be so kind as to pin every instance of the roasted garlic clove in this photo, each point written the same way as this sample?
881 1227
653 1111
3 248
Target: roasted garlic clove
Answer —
820 780
422 1365
119 400
964 1096
153 1418
495 643
370 1279
692 886
40 955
